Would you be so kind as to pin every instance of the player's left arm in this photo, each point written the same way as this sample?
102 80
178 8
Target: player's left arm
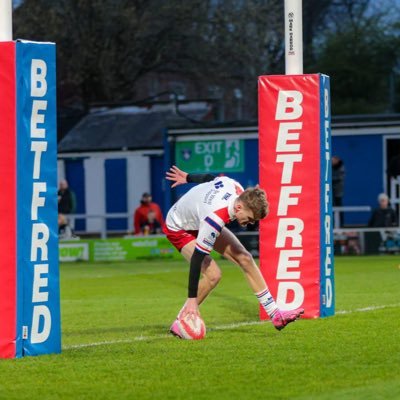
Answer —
180 177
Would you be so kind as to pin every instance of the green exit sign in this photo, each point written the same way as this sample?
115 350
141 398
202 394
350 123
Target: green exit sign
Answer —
210 155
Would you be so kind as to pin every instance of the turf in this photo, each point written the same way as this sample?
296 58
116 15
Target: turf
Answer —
115 346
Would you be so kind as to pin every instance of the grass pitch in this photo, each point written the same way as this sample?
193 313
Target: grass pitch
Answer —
115 346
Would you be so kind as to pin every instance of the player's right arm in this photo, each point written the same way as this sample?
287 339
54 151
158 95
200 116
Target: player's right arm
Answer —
191 305
180 177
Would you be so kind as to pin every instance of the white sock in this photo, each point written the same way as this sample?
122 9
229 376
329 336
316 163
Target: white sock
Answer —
267 302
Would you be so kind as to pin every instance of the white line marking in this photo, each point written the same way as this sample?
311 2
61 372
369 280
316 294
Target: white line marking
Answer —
215 328
366 309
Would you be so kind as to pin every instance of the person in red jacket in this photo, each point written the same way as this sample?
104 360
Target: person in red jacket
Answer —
141 213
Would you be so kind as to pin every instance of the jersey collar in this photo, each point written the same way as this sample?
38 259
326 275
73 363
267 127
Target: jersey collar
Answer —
231 210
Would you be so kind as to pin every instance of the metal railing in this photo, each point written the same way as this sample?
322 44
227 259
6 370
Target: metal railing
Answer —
103 218
103 221
338 210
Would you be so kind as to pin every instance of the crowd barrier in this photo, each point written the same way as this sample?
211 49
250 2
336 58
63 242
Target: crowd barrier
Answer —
347 241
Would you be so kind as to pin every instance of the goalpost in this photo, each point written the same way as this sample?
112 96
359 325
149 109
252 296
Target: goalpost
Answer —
296 240
5 20
293 37
29 277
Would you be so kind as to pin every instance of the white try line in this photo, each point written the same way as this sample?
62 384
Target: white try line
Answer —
215 328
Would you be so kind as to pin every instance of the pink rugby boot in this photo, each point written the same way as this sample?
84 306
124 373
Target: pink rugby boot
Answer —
282 318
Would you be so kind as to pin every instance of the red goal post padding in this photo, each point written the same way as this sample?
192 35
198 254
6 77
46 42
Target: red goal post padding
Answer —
296 239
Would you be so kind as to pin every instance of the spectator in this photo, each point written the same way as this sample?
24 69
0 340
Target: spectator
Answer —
384 215
141 213
151 226
65 198
338 174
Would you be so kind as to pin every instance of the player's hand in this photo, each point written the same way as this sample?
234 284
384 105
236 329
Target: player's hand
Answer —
191 308
178 176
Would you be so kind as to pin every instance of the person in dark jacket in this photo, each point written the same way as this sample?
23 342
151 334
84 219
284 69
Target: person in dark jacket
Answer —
151 226
383 216
65 198
141 213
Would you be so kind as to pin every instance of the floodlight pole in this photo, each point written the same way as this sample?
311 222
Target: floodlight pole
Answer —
293 37
5 20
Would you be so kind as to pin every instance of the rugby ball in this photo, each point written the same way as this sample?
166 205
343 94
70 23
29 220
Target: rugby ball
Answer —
191 328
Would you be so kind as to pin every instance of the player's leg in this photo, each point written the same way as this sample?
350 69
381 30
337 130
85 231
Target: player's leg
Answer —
211 273
230 247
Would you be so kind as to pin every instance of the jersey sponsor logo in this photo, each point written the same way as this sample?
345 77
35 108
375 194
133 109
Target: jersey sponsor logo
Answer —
210 239
208 243
226 196
210 196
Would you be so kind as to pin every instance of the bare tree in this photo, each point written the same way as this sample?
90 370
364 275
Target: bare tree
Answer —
106 46
360 53
116 50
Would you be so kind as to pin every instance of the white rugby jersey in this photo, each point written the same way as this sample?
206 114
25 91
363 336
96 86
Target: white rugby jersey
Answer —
206 208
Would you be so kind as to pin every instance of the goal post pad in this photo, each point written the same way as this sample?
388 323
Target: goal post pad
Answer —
296 239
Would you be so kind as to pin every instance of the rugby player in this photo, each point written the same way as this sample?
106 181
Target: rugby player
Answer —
195 225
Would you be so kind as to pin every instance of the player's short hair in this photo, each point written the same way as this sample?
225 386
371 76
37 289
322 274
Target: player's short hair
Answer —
255 199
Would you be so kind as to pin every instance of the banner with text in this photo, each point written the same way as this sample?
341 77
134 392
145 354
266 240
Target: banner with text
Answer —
152 247
296 239
37 249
